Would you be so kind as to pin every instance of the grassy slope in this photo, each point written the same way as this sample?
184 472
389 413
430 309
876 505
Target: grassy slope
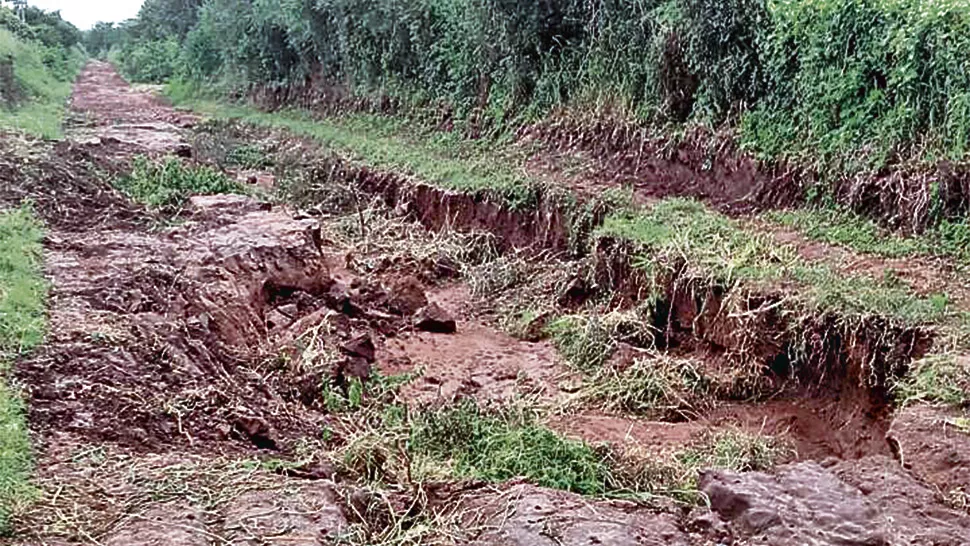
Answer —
394 144
22 322
844 228
43 111
716 247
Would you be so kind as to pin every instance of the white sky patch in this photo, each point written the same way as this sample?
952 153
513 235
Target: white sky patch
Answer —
85 13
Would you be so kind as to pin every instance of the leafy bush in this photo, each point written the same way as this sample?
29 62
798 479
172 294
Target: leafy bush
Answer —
34 99
152 61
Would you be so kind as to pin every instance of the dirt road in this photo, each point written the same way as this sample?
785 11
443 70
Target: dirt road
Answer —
177 398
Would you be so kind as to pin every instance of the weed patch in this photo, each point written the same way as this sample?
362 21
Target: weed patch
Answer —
23 292
500 445
168 184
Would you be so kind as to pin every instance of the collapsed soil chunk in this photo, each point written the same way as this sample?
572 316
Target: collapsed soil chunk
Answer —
361 346
407 295
934 445
432 318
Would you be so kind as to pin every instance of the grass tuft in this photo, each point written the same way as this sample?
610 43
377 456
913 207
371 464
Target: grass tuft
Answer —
659 386
499 445
168 184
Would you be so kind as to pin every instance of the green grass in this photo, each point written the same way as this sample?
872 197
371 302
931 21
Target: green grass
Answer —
845 228
684 236
45 93
936 379
377 438
500 445
585 341
395 144
23 292
166 185
659 387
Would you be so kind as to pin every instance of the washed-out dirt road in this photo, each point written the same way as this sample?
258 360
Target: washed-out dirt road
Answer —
177 399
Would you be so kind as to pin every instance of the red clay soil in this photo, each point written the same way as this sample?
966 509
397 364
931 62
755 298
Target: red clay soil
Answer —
179 356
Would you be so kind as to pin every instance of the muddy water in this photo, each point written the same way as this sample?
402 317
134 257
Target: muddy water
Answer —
163 371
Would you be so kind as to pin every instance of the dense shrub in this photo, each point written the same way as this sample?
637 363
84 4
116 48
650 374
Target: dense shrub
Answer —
797 76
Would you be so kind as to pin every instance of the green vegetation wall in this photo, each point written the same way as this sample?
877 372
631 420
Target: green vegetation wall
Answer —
872 81
38 60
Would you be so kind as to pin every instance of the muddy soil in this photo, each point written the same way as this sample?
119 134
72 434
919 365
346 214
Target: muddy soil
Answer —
178 372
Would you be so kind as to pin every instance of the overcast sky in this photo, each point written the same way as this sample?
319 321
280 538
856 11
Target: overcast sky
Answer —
85 13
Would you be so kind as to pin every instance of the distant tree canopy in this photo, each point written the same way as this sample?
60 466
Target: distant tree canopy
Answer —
44 26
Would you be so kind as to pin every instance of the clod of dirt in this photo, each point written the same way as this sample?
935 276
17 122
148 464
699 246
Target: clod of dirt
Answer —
407 296
805 504
361 346
216 206
432 318
276 319
353 367
526 515
535 329
257 430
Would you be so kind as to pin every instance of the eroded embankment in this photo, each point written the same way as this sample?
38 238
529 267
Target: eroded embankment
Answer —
768 344
216 380
820 379
834 404
711 165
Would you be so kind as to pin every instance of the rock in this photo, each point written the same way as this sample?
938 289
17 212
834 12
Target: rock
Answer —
299 513
165 525
291 310
527 515
276 319
805 504
407 296
432 318
361 346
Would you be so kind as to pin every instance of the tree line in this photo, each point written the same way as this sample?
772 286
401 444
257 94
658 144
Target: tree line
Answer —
881 79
